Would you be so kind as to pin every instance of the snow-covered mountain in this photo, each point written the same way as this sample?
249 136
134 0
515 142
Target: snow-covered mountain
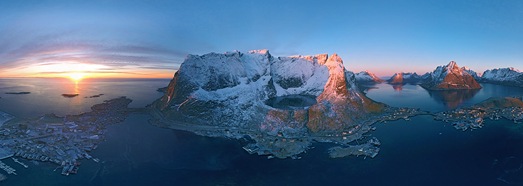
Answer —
231 89
503 76
367 77
404 78
233 94
450 77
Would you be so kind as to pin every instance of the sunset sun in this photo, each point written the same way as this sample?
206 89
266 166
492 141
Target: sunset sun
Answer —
76 76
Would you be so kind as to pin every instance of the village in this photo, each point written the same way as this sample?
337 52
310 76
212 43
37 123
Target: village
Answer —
63 141
475 116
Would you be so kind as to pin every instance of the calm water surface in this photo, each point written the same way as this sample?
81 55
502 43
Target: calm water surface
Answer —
416 152
415 96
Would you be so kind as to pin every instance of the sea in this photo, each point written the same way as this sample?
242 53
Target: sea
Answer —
420 151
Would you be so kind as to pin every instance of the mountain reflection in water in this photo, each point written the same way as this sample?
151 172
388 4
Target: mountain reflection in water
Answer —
453 98
397 87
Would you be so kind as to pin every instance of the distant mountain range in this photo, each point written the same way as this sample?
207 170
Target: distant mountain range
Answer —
403 78
503 76
449 76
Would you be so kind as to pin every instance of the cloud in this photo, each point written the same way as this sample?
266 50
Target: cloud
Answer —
53 49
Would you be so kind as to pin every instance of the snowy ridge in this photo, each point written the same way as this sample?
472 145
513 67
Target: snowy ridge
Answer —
501 74
504 76
367 77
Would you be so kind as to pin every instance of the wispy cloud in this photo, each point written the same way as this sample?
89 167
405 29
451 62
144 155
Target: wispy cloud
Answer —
116 57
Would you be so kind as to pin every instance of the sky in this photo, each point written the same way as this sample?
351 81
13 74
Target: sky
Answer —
150 39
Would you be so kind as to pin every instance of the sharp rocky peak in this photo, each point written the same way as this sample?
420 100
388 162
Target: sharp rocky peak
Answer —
453 67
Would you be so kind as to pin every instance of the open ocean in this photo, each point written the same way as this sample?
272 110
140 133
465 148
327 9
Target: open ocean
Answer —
416 152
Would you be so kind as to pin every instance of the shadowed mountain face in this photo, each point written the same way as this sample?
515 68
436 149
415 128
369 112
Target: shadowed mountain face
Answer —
232 89
450 77
453 98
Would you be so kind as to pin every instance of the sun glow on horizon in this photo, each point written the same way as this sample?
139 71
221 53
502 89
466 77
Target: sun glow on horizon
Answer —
76 76
77 71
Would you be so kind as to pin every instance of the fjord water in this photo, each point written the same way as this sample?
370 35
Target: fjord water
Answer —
414 96
416 152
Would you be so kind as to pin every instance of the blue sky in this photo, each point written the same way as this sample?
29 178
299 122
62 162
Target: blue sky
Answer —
151 38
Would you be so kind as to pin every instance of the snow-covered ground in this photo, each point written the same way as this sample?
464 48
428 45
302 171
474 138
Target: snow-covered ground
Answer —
5 117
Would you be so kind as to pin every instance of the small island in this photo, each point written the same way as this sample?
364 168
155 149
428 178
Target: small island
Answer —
70 95
94 96
18 93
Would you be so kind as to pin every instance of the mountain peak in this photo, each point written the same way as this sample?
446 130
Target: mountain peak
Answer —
453 67
335 58
452 64
451 76
260 51
334 62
